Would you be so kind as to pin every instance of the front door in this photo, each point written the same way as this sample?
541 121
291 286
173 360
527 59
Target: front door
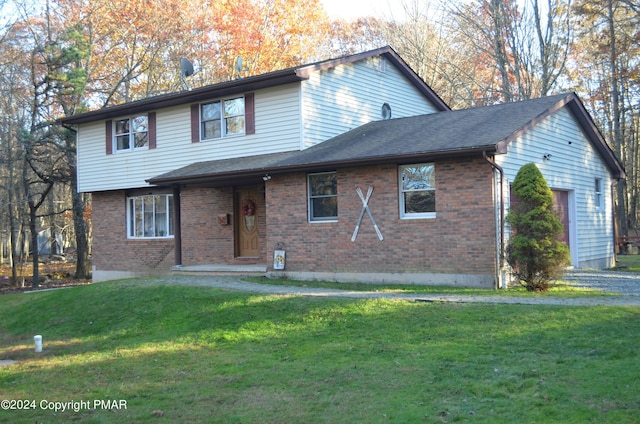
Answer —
247 227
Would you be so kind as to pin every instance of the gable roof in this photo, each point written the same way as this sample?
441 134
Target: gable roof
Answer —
464 132
243 85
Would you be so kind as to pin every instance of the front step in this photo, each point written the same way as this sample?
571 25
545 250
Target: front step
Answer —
221 269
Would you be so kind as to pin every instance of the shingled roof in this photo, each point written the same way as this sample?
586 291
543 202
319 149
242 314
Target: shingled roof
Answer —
426 137
256 82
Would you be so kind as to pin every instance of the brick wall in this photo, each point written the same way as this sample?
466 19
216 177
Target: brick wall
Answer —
112 251
204 239
461 239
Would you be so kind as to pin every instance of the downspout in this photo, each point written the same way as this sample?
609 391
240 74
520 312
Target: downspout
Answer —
501 200
614 221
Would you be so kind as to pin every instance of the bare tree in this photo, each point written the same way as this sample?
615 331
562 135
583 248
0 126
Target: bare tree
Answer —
605 64
523 50
554 37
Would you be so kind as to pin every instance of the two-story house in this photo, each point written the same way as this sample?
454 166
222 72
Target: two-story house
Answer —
272 173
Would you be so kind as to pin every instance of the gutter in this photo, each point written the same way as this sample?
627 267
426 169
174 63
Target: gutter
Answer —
500 260
276 78
313 166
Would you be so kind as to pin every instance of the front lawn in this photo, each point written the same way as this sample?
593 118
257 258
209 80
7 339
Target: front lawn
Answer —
177 354
629 263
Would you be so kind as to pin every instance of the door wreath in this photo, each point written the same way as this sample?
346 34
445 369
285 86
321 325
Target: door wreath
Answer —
248 209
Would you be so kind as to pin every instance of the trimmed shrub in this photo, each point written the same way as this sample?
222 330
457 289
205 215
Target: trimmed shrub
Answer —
535 254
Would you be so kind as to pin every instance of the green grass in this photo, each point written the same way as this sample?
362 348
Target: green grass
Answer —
181 354
629 263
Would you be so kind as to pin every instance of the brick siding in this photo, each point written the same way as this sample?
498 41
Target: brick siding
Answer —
460 240
204 239
112 251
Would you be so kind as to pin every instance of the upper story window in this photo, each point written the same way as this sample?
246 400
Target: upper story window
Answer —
598 192
323 196
417 191
131 133
150 216
222 118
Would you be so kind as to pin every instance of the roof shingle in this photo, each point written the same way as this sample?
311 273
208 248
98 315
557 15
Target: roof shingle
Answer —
442 134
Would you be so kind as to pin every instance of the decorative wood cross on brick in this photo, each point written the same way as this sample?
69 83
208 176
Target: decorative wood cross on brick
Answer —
365 207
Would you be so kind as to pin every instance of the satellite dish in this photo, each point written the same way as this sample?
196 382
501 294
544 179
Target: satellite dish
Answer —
186 67
186 70
240 67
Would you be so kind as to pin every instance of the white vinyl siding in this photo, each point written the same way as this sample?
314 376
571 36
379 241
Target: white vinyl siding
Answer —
277 121
573 165
348 96
287 118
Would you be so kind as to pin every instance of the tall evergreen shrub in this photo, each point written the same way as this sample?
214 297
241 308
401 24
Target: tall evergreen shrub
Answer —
535 254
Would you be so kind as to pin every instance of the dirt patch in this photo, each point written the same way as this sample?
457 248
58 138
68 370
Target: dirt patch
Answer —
52 275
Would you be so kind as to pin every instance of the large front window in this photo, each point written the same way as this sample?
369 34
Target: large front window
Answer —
323 197
150 216
417 191
222 118
131 133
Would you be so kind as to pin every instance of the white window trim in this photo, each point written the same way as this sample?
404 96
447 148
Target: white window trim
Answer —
223 133
310 219
403 215
599 198
132 140
130 219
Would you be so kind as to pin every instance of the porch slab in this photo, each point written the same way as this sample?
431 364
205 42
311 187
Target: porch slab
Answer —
220 269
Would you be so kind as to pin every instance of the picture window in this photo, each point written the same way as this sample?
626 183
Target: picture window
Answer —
150 216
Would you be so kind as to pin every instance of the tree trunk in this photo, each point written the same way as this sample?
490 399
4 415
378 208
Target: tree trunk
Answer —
621 206
13 242
35 257
80 226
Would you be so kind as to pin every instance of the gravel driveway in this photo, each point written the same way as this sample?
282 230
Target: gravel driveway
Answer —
626 284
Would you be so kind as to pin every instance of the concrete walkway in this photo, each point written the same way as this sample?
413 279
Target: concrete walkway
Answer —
625 284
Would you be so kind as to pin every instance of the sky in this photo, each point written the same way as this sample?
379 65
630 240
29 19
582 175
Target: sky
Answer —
352 9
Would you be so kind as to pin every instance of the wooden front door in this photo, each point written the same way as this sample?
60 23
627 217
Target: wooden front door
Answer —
247 227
